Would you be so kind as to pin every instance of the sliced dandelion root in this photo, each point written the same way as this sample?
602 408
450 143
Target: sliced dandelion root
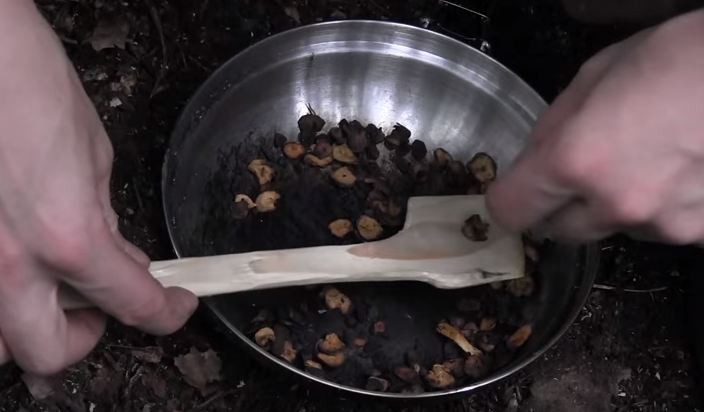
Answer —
456 336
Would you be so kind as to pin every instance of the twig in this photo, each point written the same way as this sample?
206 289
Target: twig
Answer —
609 287
219 395
154 14
467 9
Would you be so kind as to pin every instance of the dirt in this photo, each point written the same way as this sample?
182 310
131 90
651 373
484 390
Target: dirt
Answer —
628 351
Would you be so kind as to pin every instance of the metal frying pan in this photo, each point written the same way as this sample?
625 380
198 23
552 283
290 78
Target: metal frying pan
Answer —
447 93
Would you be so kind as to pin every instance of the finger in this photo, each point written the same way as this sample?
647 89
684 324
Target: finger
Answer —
528 193
5 355
126 290
131 250
41 337
577 222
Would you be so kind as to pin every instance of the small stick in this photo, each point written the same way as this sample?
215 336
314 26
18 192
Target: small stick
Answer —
608 287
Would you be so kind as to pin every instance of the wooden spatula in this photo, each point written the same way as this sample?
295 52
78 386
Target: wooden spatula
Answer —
431 248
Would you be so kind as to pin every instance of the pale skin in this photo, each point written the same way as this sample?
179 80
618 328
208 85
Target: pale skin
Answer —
621 149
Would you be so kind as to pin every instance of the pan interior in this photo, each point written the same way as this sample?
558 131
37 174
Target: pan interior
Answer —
446 93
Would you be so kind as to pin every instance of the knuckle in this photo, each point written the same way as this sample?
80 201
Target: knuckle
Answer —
144 312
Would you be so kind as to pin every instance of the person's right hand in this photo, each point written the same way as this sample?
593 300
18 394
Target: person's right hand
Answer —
56 222
622 149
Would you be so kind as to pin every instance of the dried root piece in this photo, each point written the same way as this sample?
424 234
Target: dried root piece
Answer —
332 361
379 327
331 344
376 135
294 150
369 228
519 337
521 287
313 160
483 168
264 337
340 227
288 353
313 367
377 384
334 299
242 206
261 170
344 177
475 229
343 154
487 324
266 201
442 157
439 377
456 336
246 199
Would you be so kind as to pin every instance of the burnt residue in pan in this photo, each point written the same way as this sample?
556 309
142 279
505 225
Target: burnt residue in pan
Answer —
346 186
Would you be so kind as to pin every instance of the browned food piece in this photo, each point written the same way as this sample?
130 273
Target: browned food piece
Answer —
456 336
294 150
359 342
242 206
476 366
487 324
322 147
343 154
313 160
266 201
376 384
439 377
340 227
356 135
442 157
373 153
288 353
398 137
344 177
455 367
483 168
379 327
376 135
521 287
406 374
261 170
334 299
369 228
418 150
246 199
311 122
519 337
331 344
264 337
333 360
475 229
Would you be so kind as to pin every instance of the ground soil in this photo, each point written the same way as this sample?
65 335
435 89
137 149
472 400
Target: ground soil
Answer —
628 351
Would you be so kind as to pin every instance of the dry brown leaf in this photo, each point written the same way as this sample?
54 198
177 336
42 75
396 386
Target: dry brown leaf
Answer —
109 33
199 368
